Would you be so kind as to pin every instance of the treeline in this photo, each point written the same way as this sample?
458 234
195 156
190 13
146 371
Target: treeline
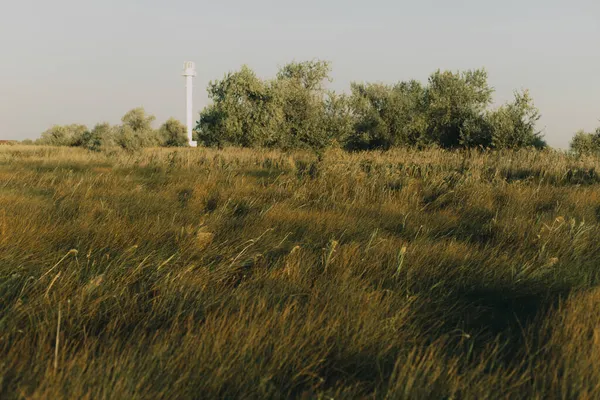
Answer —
295 110
134 132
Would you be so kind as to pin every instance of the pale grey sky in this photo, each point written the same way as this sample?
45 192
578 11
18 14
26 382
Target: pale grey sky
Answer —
87 61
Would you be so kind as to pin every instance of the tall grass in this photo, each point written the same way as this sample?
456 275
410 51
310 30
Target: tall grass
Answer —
196 273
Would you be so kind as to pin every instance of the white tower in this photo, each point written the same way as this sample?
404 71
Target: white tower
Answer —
189 71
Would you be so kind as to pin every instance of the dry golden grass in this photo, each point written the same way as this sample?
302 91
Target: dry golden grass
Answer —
197 273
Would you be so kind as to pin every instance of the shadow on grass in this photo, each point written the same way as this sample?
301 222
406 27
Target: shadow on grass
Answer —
477 318
572 176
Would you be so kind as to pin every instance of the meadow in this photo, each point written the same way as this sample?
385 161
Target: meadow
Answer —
255 274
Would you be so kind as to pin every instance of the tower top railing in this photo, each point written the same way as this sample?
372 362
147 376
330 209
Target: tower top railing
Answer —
189 68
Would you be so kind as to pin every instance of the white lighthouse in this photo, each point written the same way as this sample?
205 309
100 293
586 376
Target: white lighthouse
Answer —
189 71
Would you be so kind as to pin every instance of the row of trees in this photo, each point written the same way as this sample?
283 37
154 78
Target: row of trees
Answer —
586 143
294 110
133 133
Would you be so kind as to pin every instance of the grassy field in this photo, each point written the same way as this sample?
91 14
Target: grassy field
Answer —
195 273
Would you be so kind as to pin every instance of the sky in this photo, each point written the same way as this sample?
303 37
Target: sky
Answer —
90 61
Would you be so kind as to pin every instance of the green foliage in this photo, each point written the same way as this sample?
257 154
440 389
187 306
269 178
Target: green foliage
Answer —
173 134
294 110
300 97
243 113
131 140
513 125
101 136
451 111
338 122
310 75
455 103
387 116
586 143
136 131
63 135
138 121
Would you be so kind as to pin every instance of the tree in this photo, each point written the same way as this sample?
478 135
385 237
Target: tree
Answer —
387 116
138 120
136 131
586 143
310 75
173 134
455 104
338 121
242 112
513 125
375 123
299 96
101 136
289 111
63 135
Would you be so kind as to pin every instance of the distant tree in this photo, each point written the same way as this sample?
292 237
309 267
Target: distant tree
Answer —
387 116
451 111
136 131
300 97
242 112
294 110
513 125
375 117
338 121
586 143
101 136
173 134
455 104
138 120
211 127
63 135
310 75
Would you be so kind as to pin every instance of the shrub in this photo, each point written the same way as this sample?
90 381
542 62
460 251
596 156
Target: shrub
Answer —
387 116
63 135
173 134
454 107
291 111
586 143
136 131
513 125
242 114
100 137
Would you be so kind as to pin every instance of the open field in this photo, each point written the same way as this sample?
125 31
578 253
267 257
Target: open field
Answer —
197 273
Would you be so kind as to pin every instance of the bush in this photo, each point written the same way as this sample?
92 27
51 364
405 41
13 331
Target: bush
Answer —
586 143
291 111
136 131
63 135
387 116
454 107
243 112
100 137
173 134
451 111
513 125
